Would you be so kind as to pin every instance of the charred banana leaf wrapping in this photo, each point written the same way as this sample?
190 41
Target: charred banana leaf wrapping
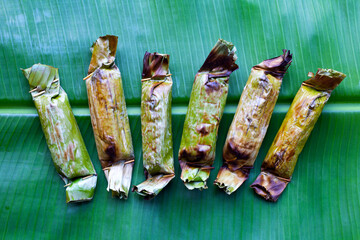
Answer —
251 121
109 116
62 133
156 125
206 106
280 161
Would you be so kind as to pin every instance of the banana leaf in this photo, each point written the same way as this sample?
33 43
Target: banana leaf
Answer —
156 125
304 111
323 200
67 147
109 117
203 116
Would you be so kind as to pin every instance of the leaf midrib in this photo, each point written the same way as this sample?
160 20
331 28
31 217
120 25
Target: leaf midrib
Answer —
134 110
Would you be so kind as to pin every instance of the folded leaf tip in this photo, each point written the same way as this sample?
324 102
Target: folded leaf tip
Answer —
41 77
222 57
269 186
276 66
103 52
325 79
155 65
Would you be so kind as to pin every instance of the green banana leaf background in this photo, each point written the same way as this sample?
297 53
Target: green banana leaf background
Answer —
321 202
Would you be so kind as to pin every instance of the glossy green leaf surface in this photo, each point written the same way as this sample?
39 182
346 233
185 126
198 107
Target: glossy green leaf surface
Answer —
321 202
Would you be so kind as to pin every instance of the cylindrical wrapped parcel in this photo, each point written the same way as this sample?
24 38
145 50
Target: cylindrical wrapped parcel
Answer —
280 161
62 133
251 121
156 131
109 117
206 106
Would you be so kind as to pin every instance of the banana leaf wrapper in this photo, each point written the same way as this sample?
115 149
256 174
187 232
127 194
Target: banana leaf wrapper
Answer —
156 131
280 161
251 121
62 133
206 106
109 117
